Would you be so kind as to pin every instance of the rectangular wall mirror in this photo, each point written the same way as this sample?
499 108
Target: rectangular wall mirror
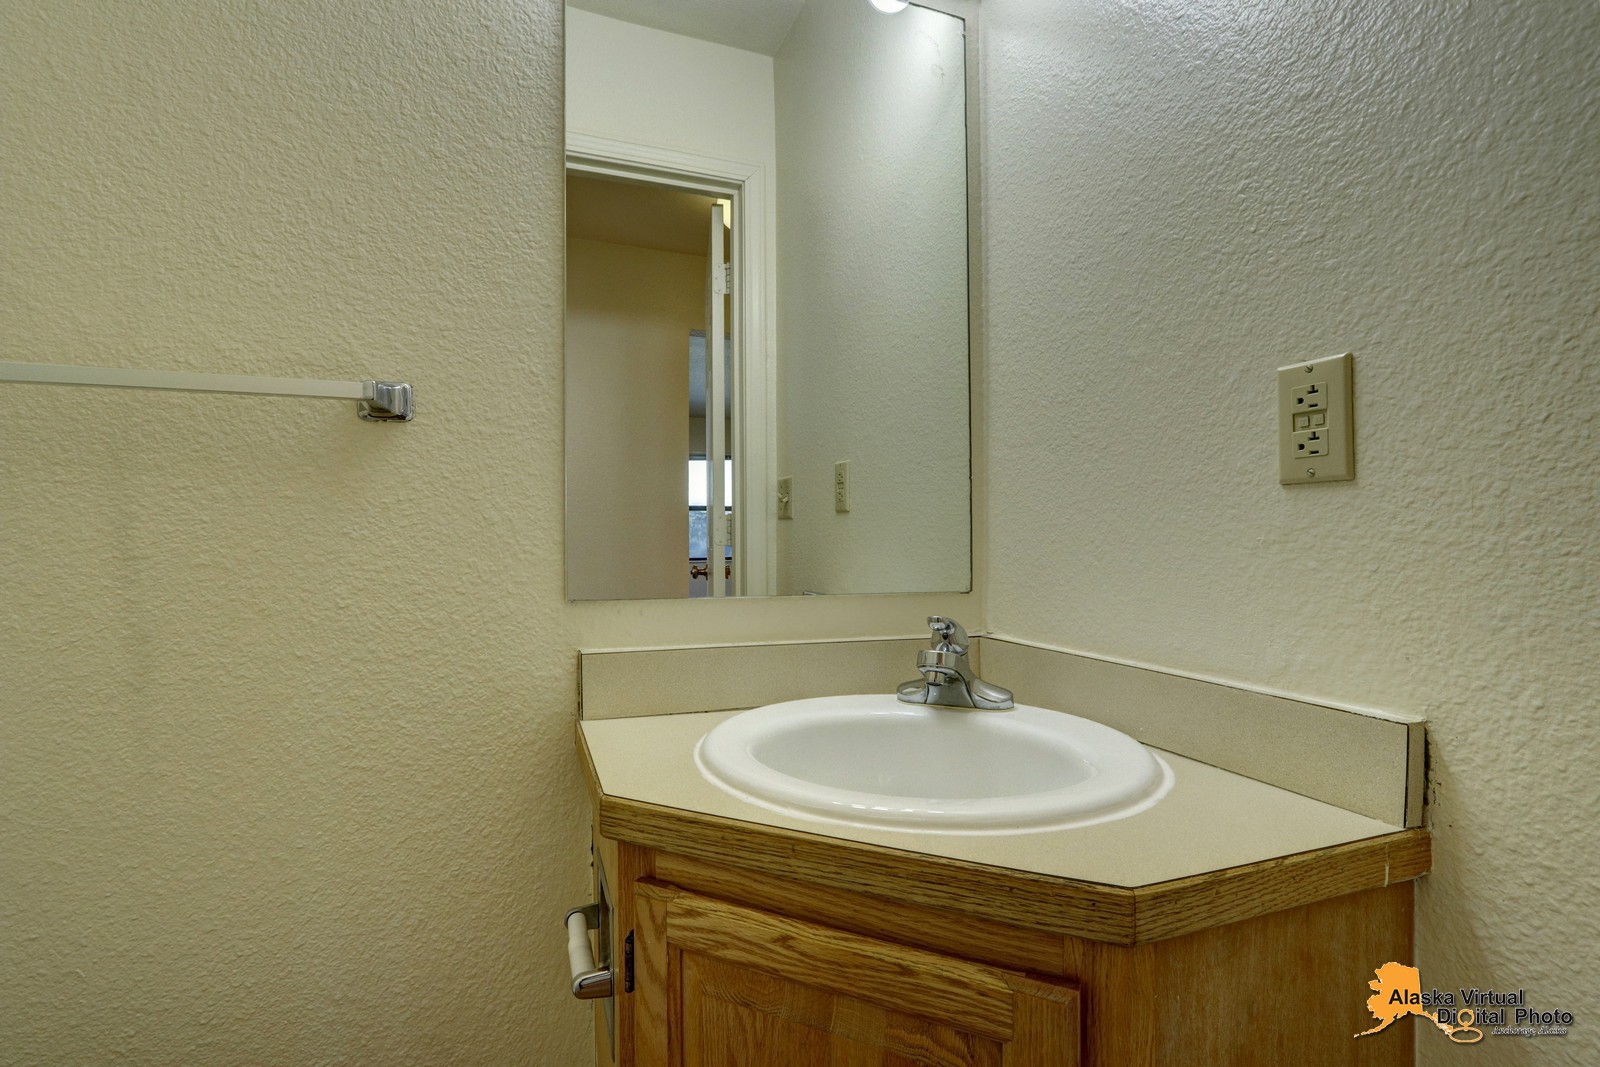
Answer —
768 290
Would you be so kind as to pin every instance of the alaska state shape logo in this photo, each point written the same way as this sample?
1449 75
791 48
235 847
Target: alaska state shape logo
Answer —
1398 993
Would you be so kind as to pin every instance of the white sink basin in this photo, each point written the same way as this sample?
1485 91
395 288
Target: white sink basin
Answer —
873 761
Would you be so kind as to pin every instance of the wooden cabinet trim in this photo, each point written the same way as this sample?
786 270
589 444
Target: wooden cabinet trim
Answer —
1183 906
1103 912
973 937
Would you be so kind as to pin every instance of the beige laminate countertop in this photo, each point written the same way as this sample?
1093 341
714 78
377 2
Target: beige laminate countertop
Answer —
1212 823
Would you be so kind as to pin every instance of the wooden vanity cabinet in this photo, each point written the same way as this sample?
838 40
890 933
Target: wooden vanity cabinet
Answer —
734 967
720 984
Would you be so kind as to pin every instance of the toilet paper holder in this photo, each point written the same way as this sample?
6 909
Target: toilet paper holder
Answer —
591 980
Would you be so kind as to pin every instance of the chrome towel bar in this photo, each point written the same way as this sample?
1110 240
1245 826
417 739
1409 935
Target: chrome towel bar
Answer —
379 401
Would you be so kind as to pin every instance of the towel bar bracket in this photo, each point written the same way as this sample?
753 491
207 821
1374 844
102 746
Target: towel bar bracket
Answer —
385 402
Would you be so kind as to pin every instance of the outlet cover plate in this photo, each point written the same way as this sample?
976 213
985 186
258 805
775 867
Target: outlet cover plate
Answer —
1316 421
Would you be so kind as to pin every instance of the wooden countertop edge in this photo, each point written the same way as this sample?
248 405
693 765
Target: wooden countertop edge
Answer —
1091 910
1186 905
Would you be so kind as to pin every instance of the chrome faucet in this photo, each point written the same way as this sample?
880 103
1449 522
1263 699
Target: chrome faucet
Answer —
947 677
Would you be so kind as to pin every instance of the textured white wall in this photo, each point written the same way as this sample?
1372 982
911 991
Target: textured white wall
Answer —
872 309
1182 197
286 699
283 778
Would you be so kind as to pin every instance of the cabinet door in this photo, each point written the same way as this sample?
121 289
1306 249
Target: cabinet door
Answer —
719 985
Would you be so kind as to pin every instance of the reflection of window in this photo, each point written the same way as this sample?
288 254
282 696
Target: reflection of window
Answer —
699 532
697 482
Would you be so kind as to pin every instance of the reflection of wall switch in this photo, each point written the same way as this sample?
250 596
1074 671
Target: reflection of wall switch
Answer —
1316 421
785 495
841 486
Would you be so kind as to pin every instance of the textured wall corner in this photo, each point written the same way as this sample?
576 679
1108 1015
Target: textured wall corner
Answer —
279 779
1181 198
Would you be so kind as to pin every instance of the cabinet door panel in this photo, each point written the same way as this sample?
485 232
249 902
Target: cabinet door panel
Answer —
738 987
736 1016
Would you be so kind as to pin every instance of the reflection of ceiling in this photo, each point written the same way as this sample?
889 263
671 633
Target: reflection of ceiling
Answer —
646 216
754 25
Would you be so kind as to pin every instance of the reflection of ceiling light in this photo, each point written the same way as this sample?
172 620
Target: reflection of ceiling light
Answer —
889 7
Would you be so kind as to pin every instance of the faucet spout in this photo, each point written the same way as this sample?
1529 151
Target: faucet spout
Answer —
947 676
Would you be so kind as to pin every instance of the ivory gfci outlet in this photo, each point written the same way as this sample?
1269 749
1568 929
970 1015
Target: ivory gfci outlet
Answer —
1316 422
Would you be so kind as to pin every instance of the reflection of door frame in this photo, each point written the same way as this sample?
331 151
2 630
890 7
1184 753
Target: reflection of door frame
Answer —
754 328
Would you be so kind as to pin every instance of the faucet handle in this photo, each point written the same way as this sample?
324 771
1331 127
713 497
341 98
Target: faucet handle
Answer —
948 634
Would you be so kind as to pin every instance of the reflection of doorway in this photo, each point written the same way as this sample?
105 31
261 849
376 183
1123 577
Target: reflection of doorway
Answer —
620 443
708 542
637 266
